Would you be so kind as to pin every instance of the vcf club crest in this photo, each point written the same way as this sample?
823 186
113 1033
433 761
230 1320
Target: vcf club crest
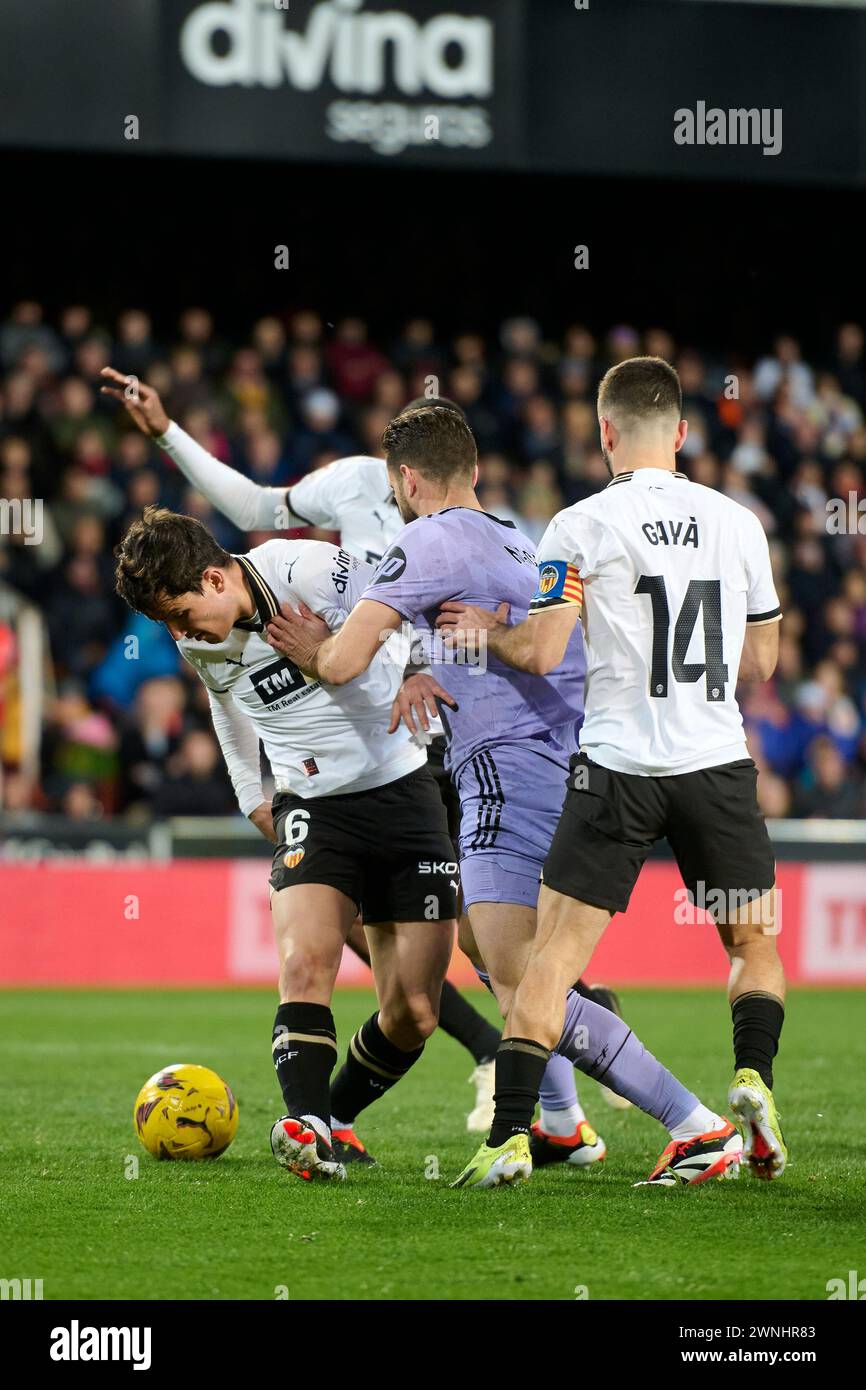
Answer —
548 579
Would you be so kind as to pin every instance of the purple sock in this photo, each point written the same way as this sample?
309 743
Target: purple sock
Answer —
558 1091
604 1047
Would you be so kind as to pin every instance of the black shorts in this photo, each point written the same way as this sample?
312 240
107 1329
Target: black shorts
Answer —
447 790
387 849
610 821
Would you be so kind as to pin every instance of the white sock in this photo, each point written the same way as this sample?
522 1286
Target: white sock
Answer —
561 1123
338 1124
318 1124
700 1121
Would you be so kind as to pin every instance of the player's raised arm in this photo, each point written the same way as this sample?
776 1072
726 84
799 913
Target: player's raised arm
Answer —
247 505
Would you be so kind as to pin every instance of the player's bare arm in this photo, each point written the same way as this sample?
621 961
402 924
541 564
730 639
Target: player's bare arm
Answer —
335 658
533 646
760 651
140 401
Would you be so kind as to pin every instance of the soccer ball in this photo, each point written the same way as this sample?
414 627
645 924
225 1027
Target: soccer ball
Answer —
185 1111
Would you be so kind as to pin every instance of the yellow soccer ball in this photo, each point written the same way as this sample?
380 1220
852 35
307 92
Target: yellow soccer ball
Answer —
185 1111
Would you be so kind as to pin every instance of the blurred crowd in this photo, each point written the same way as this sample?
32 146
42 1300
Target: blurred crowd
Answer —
127 729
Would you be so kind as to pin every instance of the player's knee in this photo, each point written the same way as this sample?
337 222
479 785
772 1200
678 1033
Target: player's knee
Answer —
409 1020
306 978
751 939
503 994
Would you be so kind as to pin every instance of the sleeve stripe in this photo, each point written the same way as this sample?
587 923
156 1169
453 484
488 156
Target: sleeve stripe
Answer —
764 617
541 605
323 526
294 511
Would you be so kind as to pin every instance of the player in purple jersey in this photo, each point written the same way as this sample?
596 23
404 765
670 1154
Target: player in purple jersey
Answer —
508 750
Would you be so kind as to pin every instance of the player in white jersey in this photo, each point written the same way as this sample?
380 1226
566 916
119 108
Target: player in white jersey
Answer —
357 819
352 496
673 584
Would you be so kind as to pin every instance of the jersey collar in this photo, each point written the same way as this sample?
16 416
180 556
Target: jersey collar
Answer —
264 597
500 521
636 475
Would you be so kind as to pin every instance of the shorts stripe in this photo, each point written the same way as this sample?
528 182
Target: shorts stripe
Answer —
486 804
490 804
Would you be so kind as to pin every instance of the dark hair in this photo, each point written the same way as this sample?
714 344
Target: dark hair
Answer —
422 402
638 390
162 556
434 440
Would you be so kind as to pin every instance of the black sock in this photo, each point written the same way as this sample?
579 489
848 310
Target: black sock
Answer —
520 1064
758 1020
372 1066
304 1050
461 1021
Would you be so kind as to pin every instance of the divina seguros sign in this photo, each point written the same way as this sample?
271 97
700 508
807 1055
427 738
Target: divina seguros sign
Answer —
520 85
402 79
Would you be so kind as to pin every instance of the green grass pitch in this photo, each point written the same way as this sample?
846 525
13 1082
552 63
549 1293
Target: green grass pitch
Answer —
72 1063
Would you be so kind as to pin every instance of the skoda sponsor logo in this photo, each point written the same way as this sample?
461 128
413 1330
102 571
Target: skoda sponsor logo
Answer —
436 866
401 79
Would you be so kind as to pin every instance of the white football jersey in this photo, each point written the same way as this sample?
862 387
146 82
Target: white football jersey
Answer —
319 739
668 574
352 496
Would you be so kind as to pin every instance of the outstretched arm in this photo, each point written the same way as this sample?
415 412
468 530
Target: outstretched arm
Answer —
247 505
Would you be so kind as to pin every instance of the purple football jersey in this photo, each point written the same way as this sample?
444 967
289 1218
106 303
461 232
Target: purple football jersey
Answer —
470 555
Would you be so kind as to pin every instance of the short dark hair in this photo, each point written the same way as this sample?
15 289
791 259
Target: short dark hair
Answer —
434 440
639 390
162 556
422 402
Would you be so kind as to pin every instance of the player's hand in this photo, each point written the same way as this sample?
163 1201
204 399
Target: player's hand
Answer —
297 635
263 820
460 623
140 401
415 703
